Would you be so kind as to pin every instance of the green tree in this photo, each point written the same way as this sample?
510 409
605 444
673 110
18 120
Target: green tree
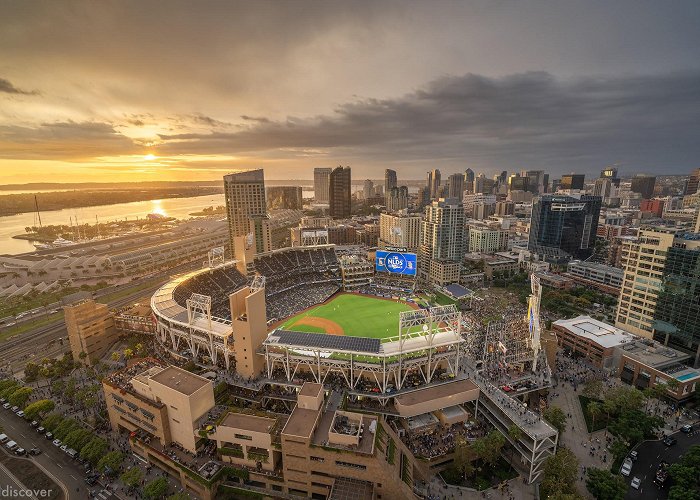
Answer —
65 428
20 396
463 458
112 460
555 416
595 410
132 477
94 450
559 475
593 389
31 371
515 434
78 438
618 449
128 353
488 448
116 356
51 421
38 408
156 488
8 384
604 485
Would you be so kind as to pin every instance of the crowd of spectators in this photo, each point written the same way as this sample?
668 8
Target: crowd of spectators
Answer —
218 284
440 439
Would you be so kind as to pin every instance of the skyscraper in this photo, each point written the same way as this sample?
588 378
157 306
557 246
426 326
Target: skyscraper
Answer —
442 241
434 183
399 230
322 184
244 192
564 227
677 312
572 181
389 180
693 182
455 186
397 199
536 180
368 189
643 261
469 180
340 198
644 185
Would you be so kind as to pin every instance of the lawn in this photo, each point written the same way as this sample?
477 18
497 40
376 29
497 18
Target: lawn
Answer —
357 315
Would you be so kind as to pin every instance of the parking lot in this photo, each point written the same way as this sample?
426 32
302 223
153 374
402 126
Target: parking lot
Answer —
651 453
56 463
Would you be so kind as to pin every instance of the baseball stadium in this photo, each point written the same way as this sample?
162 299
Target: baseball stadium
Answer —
325 312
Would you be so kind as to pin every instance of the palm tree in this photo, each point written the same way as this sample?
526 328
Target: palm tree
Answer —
595 409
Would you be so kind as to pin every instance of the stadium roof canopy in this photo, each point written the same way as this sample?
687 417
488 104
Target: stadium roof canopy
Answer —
325 341
458 291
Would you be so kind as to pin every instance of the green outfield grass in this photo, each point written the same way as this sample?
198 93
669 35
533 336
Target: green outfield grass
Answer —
358 316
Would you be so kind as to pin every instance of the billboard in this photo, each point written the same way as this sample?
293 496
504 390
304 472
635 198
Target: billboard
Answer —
396 262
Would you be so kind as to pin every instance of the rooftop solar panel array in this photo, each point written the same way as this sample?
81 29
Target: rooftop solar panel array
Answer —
325 341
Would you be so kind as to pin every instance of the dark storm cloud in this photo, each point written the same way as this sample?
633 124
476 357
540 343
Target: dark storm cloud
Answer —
531 119
7 88
63 141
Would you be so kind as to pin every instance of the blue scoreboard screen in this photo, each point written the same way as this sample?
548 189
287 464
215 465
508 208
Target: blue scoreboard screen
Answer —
396 262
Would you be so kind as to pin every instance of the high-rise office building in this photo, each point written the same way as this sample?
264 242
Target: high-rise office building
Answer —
261 229
245 197
469 180
397 199
693 183
455 186
564 227
340 198
400 230
423 197
517 182
390 181
368 189
536 180
442 241
572 181
643 260
546 183
434 180
677 312
610 173
281 197
644 185
322 178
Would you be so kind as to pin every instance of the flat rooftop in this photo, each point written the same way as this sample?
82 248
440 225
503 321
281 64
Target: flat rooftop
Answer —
180 380
436 392
248 422
654 354
301 423
310 389
601 333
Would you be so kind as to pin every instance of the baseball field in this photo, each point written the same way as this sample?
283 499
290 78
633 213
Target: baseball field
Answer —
351 314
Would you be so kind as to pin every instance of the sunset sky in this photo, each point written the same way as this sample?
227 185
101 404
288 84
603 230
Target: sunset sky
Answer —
117 91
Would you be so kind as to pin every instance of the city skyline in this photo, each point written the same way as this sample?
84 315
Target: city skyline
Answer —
91 92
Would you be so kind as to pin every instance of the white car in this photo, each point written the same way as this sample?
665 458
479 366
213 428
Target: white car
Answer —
636 482
57 442
626 467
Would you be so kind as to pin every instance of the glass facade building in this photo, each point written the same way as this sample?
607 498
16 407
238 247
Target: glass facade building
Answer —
564 227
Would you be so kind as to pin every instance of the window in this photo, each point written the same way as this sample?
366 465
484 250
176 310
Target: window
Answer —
243 436
317 459
350 465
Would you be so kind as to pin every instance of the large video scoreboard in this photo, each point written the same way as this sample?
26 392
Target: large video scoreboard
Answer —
396 262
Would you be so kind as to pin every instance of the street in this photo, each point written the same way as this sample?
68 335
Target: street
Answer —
58 466
651 453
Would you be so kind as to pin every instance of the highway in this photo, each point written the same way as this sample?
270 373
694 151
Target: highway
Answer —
44 341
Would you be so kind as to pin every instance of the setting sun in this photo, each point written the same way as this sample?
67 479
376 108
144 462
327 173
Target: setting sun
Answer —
149 157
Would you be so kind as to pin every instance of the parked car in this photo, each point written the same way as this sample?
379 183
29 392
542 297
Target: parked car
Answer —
11 445
40 430
20 414
34 423
57 443
15 409
670 441
35 451
3 438
3 400
20 451
6 406
687 429
49 436
626 467
634 455
64 447
71 453
636 482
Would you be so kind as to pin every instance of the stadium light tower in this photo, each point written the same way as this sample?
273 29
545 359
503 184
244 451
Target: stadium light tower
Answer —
533 317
